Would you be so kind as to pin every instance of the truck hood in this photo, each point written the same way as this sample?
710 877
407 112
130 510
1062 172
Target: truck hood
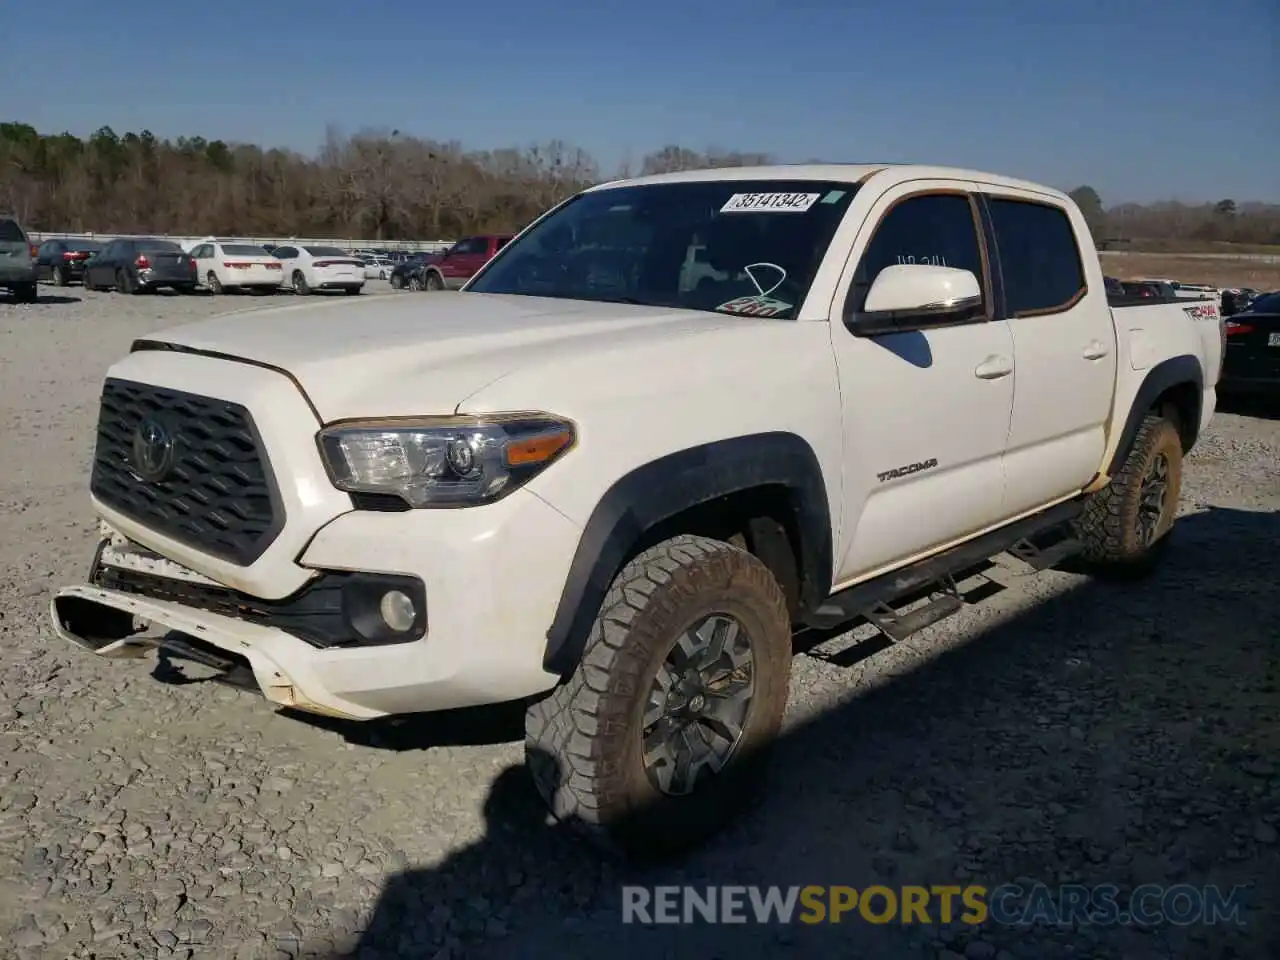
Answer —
360 358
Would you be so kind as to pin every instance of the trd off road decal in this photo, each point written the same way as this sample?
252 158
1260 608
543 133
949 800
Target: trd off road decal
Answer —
755 306
1202 311
909 469
770 202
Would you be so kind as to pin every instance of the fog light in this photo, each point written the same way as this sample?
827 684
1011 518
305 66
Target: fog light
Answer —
398 611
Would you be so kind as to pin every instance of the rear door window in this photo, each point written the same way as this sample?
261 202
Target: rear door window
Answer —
1039 257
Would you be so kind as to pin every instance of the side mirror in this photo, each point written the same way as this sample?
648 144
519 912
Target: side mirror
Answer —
917 295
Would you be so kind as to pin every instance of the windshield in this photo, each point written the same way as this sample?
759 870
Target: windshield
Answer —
326 252
734 246
243 250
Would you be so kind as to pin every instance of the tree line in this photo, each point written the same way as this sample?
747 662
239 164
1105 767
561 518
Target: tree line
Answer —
386 185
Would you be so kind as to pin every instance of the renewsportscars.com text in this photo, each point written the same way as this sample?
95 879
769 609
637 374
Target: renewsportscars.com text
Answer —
1008 904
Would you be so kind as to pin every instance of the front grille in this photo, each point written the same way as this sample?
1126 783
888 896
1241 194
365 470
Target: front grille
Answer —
218 494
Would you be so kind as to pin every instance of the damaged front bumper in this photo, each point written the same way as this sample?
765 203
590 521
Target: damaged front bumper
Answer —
107 622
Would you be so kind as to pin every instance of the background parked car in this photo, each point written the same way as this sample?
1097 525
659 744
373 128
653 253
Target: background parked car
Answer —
223 266
141 266
17 269
451 269
400 274
377 268
62 261
1252 360
307 269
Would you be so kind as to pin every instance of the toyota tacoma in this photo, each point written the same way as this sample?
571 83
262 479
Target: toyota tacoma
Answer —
674 420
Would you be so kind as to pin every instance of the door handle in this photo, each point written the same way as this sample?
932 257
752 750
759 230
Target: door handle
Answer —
1095 351
993 368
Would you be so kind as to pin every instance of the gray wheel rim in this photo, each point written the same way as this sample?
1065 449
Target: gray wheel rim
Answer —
1153 494
698 704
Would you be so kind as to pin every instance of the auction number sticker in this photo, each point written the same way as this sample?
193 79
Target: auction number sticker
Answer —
755 306
770 202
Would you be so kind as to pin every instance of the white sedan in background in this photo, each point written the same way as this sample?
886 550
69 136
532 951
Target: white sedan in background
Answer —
311 268
223 266
377 268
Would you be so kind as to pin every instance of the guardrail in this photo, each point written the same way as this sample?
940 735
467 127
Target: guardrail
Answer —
1250 257
187 241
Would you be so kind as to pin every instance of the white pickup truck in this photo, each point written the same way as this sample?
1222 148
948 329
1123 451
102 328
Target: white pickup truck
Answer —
610 487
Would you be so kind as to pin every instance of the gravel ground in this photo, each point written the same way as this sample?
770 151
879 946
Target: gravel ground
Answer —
1063 731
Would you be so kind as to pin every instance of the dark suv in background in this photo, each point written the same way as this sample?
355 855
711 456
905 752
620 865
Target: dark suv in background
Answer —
17 272
61 261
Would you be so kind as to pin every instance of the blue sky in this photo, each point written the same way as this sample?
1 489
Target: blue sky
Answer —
1144 100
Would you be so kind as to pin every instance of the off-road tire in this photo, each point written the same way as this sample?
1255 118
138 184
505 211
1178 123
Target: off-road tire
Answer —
583 741
1109 527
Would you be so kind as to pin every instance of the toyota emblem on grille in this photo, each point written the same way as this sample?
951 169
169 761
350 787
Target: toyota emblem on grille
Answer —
152 450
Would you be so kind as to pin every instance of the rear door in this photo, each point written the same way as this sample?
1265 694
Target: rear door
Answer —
466 257
1064 346
15 251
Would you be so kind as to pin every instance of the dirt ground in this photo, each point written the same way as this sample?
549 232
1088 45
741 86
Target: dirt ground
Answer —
1063 731
1220 272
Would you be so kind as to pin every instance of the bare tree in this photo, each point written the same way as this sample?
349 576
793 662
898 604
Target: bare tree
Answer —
385 185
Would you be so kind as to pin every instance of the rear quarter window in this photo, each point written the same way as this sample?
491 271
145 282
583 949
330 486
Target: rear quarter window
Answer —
1039 257
10 232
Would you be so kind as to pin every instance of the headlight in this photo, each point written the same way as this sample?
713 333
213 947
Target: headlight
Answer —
452 461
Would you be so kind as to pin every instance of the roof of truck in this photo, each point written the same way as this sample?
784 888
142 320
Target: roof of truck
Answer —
839 172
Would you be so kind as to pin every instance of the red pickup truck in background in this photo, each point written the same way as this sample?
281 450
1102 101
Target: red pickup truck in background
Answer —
454 267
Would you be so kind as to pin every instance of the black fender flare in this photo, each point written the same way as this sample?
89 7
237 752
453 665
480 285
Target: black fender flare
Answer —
1174 372
659 490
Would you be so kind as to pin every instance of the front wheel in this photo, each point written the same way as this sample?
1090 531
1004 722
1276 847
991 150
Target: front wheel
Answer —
434 281
397 282
1125 526
660 735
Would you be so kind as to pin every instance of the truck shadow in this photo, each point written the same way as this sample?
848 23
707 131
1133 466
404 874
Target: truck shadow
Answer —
1112 733
1245 405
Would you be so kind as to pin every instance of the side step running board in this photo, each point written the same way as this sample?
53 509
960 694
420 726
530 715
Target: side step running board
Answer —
881 601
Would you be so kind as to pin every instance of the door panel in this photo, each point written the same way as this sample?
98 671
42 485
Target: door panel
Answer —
1064 350
926 413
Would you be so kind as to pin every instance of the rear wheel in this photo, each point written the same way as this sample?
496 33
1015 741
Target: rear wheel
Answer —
58 276
397 282
300 286
352 291
213 283
125 282
661 733
26 292
1126 525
